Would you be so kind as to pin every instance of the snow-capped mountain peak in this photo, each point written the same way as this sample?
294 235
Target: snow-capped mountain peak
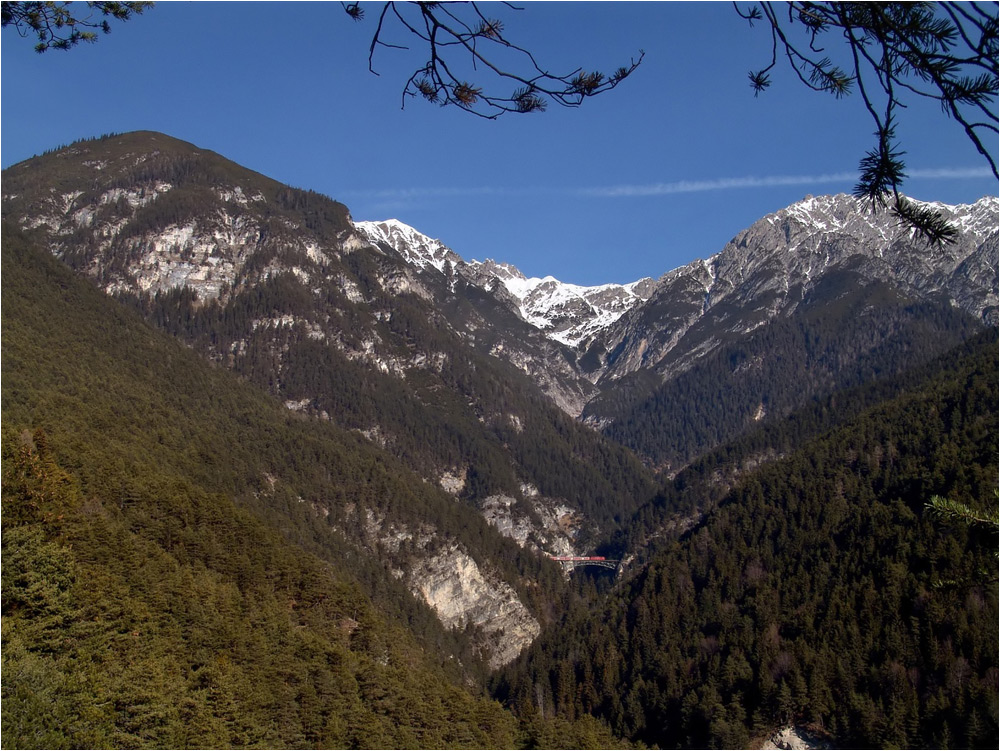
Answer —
567 313
415 247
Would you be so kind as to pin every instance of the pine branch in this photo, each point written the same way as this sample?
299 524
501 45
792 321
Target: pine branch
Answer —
946 52
455 35
55 26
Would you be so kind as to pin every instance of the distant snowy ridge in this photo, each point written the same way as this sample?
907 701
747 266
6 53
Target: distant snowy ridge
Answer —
570 313
566 313
767 268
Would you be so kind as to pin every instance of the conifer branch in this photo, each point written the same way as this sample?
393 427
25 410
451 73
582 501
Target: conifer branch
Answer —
55 26
457 36
943 51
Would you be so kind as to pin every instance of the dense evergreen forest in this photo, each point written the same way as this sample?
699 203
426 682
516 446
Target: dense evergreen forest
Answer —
424 419
683 498
159 591
819 591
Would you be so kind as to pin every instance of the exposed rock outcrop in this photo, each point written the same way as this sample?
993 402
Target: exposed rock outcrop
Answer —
462 594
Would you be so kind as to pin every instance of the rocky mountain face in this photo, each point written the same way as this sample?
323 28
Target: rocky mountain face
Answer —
768 269
809 262
565 313
278 285
823 295
764 272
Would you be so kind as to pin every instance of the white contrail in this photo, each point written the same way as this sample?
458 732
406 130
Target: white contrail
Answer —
950 173
722 183
664 188
407 193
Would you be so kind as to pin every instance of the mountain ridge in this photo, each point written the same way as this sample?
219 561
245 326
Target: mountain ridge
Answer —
792 269
147 216
829 214
566 313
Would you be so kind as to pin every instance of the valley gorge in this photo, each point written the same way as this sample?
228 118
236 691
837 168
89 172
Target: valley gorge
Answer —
427 431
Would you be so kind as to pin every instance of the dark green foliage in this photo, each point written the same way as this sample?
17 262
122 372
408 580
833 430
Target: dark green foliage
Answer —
812 594
705 481
150 409
55 25
121 632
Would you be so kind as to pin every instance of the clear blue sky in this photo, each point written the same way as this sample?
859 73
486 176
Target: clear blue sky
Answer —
663 170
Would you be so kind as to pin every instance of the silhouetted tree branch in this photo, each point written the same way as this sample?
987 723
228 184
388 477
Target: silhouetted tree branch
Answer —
463 46
946 52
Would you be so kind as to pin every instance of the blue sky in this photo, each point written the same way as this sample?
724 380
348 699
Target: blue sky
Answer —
661 171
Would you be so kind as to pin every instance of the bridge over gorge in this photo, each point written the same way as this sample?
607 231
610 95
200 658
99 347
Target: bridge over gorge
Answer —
570 562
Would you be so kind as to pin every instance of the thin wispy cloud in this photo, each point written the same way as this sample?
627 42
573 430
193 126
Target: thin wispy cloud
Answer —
661 188
949 173
723 183
415 193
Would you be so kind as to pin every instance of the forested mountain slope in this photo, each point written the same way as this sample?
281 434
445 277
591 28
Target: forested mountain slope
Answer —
277 284
686 496
847 331
819 591
824 294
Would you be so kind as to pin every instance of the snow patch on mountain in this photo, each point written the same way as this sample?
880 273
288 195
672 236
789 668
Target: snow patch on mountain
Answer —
566 313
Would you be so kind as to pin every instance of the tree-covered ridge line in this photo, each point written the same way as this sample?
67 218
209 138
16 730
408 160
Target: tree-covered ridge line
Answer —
686 497
811 594
445 404
886 53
